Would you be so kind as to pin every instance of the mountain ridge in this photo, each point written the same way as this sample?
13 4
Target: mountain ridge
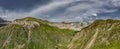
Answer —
32 33
101 34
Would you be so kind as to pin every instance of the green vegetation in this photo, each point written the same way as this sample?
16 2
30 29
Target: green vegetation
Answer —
33 19
101 34
32 33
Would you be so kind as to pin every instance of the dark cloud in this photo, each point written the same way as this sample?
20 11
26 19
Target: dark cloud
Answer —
21 4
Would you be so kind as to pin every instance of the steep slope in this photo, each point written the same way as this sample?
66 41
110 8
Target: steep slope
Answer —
32 33
101 34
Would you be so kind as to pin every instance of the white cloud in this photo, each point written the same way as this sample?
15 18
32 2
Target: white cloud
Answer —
47 8
94 14
78 17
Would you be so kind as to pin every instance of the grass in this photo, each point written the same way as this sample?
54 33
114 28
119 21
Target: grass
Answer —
107 38
41 37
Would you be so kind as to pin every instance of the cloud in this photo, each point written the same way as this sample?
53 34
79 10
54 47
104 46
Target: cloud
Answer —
11 15
115 3
51 7
66 10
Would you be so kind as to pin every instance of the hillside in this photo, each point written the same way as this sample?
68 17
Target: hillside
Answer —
77 26
32 33
101 34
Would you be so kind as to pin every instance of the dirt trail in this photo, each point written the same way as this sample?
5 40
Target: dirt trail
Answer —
91 42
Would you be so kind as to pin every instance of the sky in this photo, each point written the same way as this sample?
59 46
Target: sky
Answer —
60 10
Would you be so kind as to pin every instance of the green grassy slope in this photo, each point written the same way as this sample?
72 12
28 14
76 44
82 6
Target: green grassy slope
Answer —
101 34
32 33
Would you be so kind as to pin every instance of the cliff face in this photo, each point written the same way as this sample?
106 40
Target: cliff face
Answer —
77 26
102 34
32 33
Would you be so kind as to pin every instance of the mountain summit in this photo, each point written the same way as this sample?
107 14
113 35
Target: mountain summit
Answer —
32 33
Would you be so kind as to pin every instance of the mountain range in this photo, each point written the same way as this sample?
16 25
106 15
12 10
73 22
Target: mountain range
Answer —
33 33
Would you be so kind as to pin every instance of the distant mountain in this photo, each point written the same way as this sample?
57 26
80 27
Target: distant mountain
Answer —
3 22
32 33
77 26
101 34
